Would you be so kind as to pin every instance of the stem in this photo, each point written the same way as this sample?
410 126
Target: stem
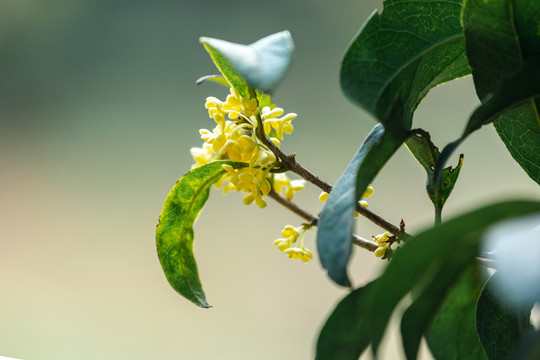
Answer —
357 240
291 164
438 215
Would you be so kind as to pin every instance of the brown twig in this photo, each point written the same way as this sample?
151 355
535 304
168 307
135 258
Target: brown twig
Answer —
312 219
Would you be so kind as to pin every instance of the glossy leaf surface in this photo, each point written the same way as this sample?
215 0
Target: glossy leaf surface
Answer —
174 233
501 38
453 242
500 328
452 334
411 47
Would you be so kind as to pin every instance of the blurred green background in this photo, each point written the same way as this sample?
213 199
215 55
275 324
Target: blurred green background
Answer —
98 111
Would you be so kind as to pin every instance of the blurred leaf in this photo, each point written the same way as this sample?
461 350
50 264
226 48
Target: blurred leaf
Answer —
262 64
427 154
454 241
346 333
413 46
500 328
529 348
452 334
174 233
501 38
336 223
418 317
218 79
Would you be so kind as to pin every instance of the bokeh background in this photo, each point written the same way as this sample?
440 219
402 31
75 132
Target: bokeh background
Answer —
98 111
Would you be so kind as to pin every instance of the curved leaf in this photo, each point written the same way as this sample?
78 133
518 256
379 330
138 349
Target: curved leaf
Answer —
501 37
413 46
453 242
452 335
500 328
529 348
336 223
427 154
418 317
346 333
174 233
261 65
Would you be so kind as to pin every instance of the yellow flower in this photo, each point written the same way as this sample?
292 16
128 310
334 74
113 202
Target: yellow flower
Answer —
292 235
323 196
299 253
202 155
235 105
281 125
368 192
381 251
252 181
283 185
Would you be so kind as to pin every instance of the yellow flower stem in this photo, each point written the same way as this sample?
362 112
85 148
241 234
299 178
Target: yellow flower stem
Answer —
357 240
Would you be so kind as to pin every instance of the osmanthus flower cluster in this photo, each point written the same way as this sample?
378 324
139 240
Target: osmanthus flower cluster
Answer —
235 138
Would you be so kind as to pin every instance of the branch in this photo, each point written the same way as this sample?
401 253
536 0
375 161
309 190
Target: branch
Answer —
357 240
291 164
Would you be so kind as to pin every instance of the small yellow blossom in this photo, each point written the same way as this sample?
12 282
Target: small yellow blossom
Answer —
283 185
292 235
202 155
368 192
236 140
381 251
323 196
299 253
280 125
383 241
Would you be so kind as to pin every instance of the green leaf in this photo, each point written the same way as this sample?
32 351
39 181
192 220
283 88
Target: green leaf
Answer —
506 104
452 335
174 233
261 65
500 328
218 79
346 333
453 242
413 46
427 154
417 318
529 348
501 38
336 223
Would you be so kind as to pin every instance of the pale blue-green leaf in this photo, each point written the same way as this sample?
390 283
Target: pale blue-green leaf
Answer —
262 64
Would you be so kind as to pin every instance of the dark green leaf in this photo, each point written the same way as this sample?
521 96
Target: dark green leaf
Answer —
174 233
501 38
336 223
262 64
427 154
452 335
507 104
500 328
411 47
346 333
454 241
529 348
419 315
